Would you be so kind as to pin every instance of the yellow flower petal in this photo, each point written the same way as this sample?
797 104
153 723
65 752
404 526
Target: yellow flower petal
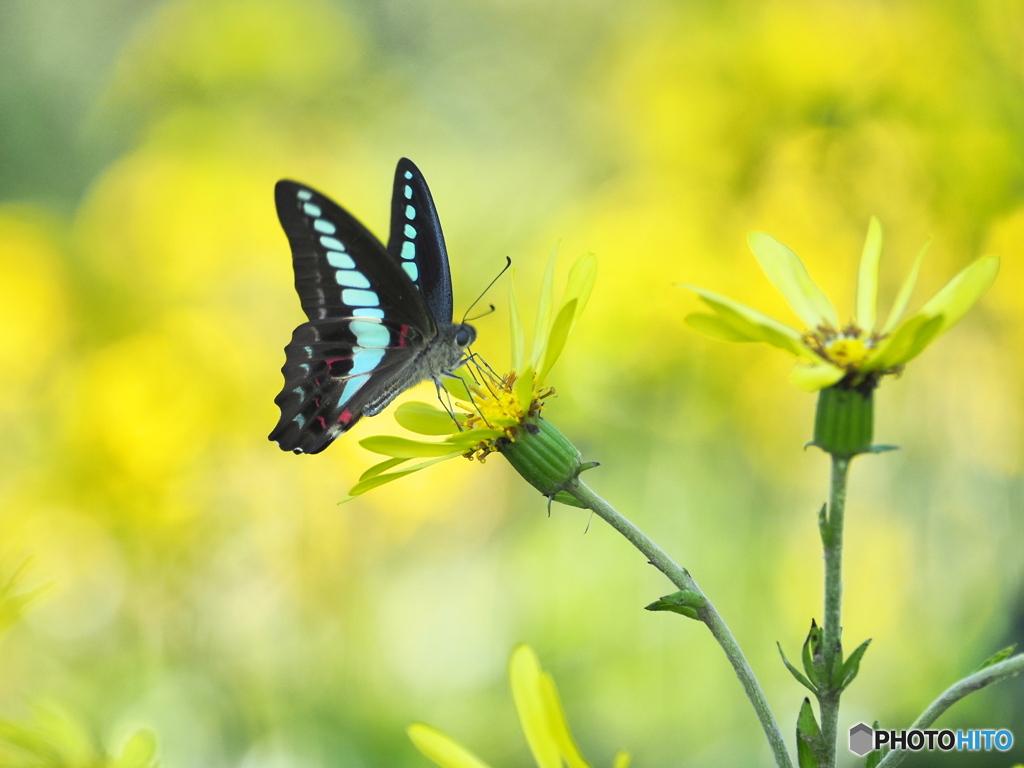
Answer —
558 336
962 292
524 677
815 376
622 760
903 297
750 323
715 327
425 419
908 341
515 325
559 727
544 306
387 477
867 277
580 284
403 447
384 466
788 274
441 748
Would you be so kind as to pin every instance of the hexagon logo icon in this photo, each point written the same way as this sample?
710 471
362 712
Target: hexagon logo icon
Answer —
861 739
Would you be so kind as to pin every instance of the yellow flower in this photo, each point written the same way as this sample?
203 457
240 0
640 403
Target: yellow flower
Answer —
861 351
494 412
540 715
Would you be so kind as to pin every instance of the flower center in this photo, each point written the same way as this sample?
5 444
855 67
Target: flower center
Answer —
848 348
497 403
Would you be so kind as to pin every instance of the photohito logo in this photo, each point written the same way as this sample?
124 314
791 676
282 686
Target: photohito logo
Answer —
864 739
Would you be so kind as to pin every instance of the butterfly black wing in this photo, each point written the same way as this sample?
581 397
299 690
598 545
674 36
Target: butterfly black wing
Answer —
416 241
367 322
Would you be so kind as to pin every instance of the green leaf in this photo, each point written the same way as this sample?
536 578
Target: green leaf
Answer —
852 665
557 338
425 419
808 736
812 657
796 672
996 657
875 757
686 602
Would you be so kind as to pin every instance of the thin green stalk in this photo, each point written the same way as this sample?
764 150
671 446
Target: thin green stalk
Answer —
994 674
832 541
682 579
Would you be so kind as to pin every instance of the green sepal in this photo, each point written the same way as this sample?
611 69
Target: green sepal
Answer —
875 757
996 657
796 672
564 497
808 736
851 666
844 420
543 456
589 465
685 602
882 448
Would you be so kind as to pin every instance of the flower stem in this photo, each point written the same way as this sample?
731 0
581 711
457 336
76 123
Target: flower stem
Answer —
975 682
682 579
831 527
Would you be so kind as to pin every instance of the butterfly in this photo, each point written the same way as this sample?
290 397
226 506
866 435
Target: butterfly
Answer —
380 319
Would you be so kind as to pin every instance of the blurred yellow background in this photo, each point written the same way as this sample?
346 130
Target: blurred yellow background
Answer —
206 585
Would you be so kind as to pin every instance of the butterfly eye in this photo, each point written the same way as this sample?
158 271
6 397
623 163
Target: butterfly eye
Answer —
464 336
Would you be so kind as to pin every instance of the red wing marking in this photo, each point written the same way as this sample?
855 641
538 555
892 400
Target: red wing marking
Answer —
345 417
401 335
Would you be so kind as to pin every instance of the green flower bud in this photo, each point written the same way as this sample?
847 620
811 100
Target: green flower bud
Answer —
844 422
543 456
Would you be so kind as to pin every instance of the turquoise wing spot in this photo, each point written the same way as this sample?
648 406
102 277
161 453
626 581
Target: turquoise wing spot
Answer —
365 360
323 225
411 270
410 212
356 297
305 194
330 242
300 420
308 351
365 312
408 250
349 278
351 387
340 260
408 174
410 230
312 210
370 334
298 391
408 191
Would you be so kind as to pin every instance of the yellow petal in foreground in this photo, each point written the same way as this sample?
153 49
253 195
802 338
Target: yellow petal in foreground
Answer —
441 748
789 275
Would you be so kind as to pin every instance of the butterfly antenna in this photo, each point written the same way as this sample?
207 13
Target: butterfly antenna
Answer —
508 263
